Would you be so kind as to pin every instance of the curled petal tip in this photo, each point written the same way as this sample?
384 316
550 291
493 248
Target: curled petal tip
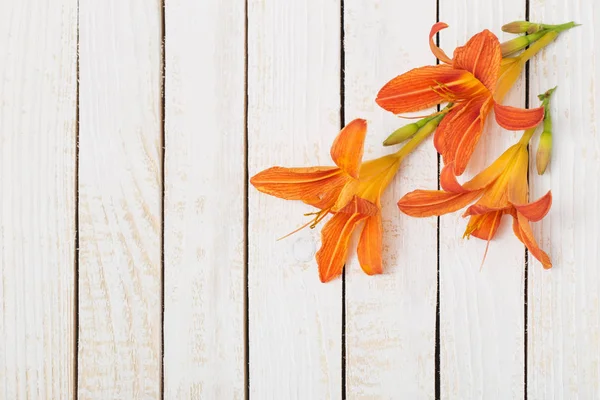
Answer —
347 148
439 53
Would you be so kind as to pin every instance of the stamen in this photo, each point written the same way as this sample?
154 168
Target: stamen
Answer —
319 215
294 231
444 91
487 246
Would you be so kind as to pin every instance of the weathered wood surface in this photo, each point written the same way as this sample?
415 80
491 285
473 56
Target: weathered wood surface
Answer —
249 85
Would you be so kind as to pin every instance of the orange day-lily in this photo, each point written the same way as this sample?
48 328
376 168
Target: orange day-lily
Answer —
351 191
469 81
500 189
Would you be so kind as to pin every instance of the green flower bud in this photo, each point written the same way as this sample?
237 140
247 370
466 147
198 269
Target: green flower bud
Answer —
521 27
542 157
402 134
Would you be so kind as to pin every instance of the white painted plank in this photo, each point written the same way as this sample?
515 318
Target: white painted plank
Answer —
204 206
481 312
293 115
564 307
120 199
390 319
38 85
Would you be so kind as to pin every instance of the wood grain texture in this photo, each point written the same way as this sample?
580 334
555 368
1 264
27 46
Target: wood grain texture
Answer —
481 311
390 319
38 85
564 307
204 200
120 200
293 116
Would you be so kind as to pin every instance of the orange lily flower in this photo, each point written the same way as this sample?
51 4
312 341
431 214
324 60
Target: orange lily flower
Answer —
469 81
500 189
351 192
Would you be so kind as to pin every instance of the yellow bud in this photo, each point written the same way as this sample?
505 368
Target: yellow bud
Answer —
424 126
401 134
520 27
542 158
514 45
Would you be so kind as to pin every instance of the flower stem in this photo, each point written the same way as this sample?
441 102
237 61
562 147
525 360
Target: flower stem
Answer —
561 27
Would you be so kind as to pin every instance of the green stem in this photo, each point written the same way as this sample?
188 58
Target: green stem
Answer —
561 27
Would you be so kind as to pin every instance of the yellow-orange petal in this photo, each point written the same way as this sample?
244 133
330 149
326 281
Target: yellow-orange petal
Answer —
484 226
336 234
308 184
481 56
517 186
510 70
424 87
427 203
536 210
515 225
347 148
370 246
492 172
516 119
437 52
526 236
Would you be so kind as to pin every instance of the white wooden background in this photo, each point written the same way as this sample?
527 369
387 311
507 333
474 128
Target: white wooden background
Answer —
136 263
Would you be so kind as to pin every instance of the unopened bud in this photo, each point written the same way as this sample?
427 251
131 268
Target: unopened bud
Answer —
422 126
402 134
520 43
542 157
521 27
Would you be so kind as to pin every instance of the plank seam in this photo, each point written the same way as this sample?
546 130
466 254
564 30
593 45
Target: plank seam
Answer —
162 200
526 253
342 123
246 217
437 354
76 263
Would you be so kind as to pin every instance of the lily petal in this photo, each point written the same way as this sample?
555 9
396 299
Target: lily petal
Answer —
437 52
426 203
448 180
510 70
335 237
516 119
482 209
310 185
347 148
424 87
481 56
526 236
370 246
538 209
458 133
471 136
484 226
491 173
517 186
